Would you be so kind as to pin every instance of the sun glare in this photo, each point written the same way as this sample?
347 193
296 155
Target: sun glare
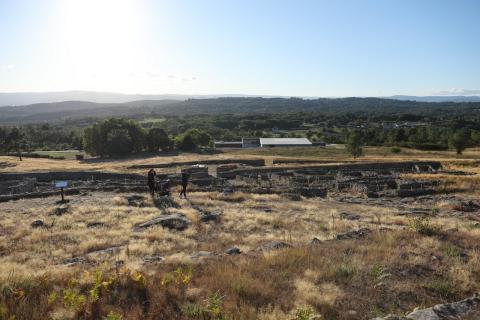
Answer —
102 37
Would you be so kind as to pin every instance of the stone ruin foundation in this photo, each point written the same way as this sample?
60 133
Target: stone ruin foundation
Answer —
360 179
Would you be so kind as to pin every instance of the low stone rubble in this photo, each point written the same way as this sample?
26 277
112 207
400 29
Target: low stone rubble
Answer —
61 210
466 206
96 224
173 221
233 251
135 200
355 234
38 224
207 215
349 216
153 259
165 202
274 245
449 311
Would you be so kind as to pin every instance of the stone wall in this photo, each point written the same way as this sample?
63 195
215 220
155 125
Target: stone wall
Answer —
248 162
399 167
69 175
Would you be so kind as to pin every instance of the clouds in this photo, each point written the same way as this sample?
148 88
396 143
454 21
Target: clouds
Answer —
6 66
457 92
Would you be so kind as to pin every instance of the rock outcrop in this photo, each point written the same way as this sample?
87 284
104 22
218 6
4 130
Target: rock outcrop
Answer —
469 307
233 251
354 234
173 221
38 224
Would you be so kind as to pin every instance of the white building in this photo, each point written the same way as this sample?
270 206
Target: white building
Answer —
284 142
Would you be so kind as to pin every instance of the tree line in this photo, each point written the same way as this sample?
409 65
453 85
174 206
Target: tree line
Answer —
118 137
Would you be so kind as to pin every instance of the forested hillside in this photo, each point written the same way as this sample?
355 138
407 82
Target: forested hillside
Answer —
81 109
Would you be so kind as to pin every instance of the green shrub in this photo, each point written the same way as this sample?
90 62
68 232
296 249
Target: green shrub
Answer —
396 150
422 225
451 250
193 310
472 225
113 316
73 299
442 287
214 305
306 313
344 272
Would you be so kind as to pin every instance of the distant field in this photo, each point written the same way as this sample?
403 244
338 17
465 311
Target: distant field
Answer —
67 154
340 153
152 120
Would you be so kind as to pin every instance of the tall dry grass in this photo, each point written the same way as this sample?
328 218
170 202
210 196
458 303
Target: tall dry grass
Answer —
386 273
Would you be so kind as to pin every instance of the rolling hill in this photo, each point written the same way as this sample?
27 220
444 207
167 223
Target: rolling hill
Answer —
58 111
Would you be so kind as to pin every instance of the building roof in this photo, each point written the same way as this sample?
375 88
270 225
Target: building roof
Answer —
236 142
285 141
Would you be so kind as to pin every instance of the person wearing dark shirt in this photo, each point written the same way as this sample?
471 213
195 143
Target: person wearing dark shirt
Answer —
185 177
151 181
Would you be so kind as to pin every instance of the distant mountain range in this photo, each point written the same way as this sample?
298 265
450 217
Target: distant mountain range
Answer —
86 111
438 98
27 98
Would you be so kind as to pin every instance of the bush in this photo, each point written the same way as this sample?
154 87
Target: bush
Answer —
306 313
451 250
344 272
396 150
422 226
442 287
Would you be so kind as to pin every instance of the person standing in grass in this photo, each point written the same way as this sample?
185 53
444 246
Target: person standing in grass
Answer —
185 177
151 181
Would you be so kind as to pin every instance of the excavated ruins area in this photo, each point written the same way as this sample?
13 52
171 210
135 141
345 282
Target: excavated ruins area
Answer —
368 230
367 180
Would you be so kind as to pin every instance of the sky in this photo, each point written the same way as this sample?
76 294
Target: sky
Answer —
261 47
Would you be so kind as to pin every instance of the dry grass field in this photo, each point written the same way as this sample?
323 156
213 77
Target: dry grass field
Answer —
12 164
91 262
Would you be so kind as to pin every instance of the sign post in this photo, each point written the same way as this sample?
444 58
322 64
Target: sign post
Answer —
60 185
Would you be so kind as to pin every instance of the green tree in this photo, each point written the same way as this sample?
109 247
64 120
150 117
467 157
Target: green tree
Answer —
157 139
475 137
15 141
396 136
354 144
105 138
460 140
199 137
3 139
119 143
186 143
